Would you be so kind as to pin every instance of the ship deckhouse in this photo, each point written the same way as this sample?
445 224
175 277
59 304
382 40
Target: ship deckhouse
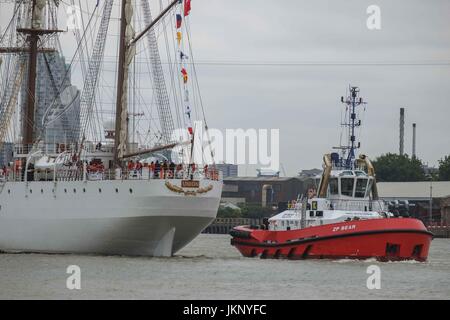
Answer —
349 184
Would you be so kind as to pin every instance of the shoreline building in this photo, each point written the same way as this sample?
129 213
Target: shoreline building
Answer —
57 117
228 170
264 191
428 201
6 153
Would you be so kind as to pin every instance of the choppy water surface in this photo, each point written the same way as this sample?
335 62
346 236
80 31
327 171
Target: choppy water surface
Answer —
209 268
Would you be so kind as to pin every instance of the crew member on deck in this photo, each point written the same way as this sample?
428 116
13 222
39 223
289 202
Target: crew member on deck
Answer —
152 169
130 165
192 166
179 170
157 168
139 166
205 170
165 167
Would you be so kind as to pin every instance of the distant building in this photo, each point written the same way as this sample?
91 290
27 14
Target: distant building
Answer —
445 211
228 170
264 191
267 173
309 174
419 194
229 205
57 117
430 171
6 153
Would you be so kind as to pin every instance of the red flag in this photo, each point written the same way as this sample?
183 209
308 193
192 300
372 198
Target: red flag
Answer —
187 7
179 19
185 75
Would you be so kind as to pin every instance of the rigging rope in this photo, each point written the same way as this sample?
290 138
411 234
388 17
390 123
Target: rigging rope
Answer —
58 95
200 96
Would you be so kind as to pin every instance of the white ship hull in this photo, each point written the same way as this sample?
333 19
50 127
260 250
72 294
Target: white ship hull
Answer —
126 217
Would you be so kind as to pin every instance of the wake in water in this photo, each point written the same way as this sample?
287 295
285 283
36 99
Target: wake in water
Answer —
374 260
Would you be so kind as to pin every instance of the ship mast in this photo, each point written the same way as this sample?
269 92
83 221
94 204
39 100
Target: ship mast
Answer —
34 33
28 121
127 49
120 103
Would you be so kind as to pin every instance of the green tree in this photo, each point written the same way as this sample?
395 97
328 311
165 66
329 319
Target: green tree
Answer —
228 213
393 167
251 210
444 168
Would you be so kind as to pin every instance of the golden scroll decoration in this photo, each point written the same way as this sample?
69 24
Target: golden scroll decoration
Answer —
178 189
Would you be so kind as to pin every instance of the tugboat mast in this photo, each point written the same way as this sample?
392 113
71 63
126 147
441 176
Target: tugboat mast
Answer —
352 101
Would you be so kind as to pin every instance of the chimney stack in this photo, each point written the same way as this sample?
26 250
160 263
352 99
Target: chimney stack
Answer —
402 131
414 141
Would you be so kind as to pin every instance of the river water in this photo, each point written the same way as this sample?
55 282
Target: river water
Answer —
210 268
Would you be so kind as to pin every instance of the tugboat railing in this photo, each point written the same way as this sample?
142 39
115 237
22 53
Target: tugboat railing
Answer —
358 205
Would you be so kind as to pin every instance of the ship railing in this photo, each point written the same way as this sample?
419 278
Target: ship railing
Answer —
57 148
339 166
11 175
77 174
47 148
95 148
72 174
358 205
146 174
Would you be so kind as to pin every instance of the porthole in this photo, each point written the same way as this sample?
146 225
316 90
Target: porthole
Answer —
100 190
31 191
117 190
131 190
42 190
84 189
65 190
74 190
9 191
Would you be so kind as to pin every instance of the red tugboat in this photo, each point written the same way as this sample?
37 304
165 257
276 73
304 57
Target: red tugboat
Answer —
344 220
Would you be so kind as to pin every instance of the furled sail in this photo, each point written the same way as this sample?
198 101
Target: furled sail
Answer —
130 52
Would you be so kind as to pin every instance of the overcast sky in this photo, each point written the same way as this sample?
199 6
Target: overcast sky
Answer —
303 101
302 97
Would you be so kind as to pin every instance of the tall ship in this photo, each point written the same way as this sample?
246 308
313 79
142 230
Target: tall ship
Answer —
103 169
341 216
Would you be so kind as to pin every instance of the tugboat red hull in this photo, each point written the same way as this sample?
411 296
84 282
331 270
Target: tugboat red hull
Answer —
384 239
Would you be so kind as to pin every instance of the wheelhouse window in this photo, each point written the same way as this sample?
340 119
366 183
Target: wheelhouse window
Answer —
347 186
334 186
360 190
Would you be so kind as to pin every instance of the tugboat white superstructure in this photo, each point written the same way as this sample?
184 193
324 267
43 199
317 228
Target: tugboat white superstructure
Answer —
101 197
